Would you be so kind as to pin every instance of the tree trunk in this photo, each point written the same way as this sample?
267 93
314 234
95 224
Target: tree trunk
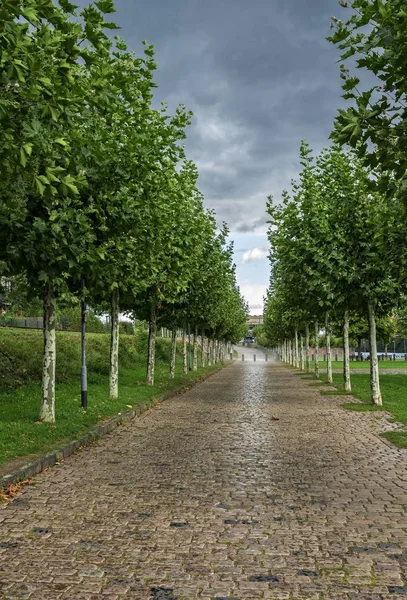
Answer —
374 365
152 332
328 348
47 410
114 347
195 365
184 352
316 350
296 353
307 357
302 365
202 350
173 352
346 363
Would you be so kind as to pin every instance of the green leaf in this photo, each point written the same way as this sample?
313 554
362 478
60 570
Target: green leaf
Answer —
106 6
23 157
40 186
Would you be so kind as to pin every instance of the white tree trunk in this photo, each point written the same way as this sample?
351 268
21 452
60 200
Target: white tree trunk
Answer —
296 352
328 348
374 365
203 351
184 352
316 349
346 362
302 365
307 357
173 352
151 345
114 347
195 360
47 410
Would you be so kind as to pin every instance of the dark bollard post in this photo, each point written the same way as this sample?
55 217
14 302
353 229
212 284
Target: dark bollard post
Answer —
313 357
266 357
336 358
394 357
405 357
243 357
254 357
231 356
324 357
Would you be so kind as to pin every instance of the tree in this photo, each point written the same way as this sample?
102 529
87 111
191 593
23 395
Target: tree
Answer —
375 38
44 225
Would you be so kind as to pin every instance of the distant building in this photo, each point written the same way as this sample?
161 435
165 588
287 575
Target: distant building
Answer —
254 320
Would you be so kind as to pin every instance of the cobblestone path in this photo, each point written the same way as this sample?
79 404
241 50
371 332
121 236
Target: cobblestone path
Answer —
251 485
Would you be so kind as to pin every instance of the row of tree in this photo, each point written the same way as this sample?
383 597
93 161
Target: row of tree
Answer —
338 254
338 246
97 197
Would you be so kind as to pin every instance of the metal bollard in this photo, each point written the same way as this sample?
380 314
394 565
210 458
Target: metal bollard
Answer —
254 357
231 356
243 357
266 357
336 358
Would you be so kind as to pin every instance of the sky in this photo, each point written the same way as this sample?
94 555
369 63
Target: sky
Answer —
259 77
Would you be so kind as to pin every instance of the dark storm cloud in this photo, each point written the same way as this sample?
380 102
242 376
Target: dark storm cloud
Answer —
259 77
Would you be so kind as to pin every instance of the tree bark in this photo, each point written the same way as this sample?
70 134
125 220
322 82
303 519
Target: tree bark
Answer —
152 332
360 357
184 352
346 362
374 365
47 410
173 352
328 348
302 365
296 352
202 350
316 350
307 365
114 347
195 362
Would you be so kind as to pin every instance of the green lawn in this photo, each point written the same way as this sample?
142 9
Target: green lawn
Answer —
22 435
385 364
394 393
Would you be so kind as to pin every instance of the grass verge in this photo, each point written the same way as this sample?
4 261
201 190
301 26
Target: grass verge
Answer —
385 364
22 435
393 389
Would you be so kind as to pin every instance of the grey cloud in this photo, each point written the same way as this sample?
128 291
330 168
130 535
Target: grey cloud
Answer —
259 76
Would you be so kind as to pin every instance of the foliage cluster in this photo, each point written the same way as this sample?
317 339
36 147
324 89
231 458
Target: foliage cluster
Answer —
98 200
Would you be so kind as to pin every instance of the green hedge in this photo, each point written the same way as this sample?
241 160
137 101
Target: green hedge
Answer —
21 354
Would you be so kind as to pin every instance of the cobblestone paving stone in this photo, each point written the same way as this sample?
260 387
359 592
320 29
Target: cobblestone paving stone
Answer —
249 486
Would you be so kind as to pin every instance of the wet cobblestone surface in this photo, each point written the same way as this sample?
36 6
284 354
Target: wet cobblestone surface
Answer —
249 486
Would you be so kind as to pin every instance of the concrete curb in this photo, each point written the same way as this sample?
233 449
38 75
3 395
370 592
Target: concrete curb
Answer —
49 460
